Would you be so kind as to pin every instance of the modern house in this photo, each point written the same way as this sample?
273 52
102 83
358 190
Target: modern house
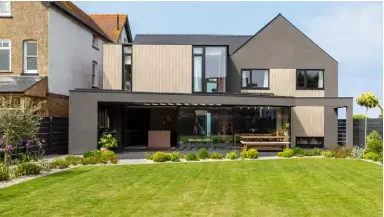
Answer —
164 91
48 48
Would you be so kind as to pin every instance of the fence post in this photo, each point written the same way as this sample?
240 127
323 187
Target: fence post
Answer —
50 135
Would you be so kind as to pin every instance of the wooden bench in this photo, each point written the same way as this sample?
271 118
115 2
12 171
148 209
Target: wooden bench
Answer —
255 144
258 141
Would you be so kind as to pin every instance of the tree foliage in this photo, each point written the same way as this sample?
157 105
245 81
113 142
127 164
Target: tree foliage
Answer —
19 121
359 117
367 100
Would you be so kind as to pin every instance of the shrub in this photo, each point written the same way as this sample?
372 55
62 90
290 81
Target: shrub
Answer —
44 164
316 152
73 160
86 160
161 157
175 157
147 156
371 156
28 168
358 117
13 172
59 163
216 155
374 142
298 151
192 157
341 152
374 135
106 156
244 154
4 173
253 153
286 153
95 153
203 153
327 153
357 152
232 155
114 160
108 141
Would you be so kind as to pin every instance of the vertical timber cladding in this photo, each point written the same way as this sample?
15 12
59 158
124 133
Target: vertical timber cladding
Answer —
162 68
306 121
112 66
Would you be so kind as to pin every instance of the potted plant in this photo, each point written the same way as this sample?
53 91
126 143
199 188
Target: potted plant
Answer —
286 133
107 142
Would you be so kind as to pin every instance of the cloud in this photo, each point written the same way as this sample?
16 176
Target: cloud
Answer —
350 33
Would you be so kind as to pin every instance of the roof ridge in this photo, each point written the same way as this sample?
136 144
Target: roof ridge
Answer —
107 14
155 34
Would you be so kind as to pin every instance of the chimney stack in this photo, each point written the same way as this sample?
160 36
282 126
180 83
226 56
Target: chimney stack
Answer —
118 22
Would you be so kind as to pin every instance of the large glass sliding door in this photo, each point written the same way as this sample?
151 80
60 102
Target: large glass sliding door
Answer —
218 126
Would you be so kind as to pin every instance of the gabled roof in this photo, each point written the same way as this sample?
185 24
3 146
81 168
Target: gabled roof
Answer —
232 41
270 22
75 12
112 25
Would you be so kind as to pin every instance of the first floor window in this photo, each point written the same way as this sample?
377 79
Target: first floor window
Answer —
94 74
5 55
30 57
255 78
309 79
5 8
94 41
209 69
127 76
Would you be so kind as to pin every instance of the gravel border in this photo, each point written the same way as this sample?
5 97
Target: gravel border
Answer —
4 184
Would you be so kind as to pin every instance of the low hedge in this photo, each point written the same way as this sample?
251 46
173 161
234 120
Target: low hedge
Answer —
59 163
203 153
216 155
371 156
251 154
161 157
73 160
4 173
192 157
233 155
286 153
28 169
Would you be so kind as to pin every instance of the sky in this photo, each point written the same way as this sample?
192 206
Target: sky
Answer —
351 32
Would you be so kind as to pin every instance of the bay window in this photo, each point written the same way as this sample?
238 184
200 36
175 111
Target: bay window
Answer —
309 79
209 69
255 79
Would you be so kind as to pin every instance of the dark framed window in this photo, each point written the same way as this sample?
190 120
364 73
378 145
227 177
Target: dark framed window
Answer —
209 69
127 73
95 81
255 78
95 42
310 142
309 79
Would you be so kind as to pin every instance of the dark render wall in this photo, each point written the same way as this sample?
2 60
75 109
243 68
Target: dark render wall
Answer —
281 46
358 130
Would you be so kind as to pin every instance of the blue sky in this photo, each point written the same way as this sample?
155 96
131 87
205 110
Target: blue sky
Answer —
351 32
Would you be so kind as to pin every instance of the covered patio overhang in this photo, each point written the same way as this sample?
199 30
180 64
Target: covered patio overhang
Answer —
83 109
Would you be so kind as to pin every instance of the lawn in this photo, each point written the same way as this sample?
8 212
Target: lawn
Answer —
296 187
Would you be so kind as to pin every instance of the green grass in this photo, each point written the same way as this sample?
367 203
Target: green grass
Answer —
295 187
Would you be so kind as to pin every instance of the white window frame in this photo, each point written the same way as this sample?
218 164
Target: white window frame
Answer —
10 53
95 79
26 56
10 9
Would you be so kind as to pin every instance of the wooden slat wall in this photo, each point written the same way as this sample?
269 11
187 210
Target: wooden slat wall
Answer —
307 121
162 68
112 66
283 83
39 89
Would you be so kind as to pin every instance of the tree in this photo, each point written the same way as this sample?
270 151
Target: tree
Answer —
369 101
381 111
19 120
